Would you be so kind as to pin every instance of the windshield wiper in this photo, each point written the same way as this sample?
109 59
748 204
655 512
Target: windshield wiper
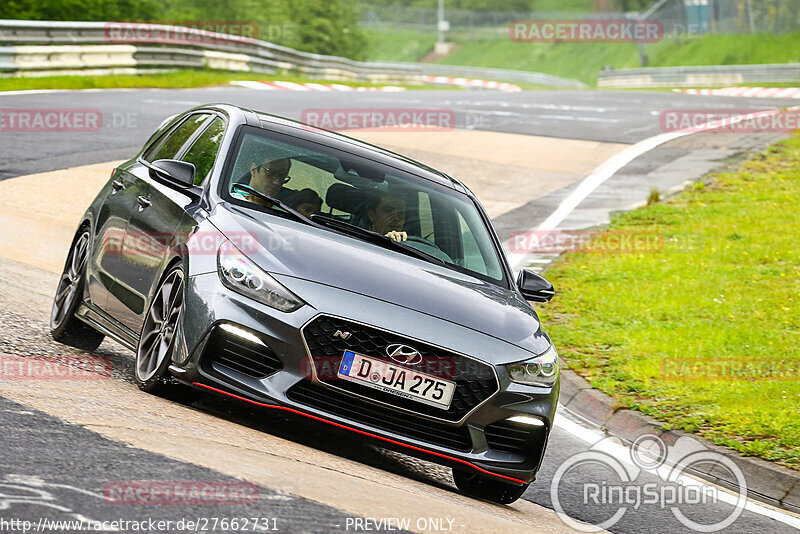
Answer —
375 237
237 188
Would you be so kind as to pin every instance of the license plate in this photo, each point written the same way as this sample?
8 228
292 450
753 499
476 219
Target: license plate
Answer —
397 380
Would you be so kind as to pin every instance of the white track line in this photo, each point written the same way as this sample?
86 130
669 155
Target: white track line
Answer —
591 436
613 165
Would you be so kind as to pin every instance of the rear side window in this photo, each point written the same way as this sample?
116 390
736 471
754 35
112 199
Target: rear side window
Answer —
169 146
204 151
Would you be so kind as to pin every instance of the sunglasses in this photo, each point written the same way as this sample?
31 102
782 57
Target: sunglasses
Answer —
283 175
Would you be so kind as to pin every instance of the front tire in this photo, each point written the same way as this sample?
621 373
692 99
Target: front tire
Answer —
157 341
64 326
489 489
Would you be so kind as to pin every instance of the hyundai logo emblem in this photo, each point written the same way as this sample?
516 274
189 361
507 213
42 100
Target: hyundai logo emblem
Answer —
404 354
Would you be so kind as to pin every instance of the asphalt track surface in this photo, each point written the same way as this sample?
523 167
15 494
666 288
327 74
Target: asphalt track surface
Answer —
130 116
62 467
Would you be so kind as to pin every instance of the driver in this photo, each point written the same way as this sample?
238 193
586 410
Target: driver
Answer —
387 216
268 178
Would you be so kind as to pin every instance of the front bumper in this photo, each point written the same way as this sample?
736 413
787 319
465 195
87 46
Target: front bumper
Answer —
482 438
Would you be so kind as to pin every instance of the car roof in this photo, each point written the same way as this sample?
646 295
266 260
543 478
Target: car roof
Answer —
339 141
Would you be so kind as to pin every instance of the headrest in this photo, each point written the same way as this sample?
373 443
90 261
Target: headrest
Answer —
345 198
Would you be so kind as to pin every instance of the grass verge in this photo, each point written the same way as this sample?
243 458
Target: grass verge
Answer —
582 61
703 333
395 44
167 80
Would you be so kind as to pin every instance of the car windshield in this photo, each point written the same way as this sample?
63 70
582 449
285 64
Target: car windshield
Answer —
340 191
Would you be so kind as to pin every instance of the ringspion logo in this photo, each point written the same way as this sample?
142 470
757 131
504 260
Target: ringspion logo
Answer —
617 478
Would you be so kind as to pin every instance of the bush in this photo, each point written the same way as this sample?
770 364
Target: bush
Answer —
319 26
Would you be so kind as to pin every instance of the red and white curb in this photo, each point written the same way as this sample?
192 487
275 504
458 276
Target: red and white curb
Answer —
758 92
470 82
437 80
308 86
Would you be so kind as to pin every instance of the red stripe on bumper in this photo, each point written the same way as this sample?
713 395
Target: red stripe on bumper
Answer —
434 453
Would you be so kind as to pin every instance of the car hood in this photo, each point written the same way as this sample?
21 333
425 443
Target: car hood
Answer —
294 249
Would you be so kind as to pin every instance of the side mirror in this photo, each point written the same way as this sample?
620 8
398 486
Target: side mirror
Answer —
180 173
534 287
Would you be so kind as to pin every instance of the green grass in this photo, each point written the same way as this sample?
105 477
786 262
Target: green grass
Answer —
578 61
727 50
392 44
725 287
174 79
562 6
582 61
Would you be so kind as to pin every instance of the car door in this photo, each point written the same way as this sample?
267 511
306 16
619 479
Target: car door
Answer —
144 243
110 224
164 217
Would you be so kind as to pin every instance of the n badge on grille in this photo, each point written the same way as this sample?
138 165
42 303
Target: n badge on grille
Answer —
342 335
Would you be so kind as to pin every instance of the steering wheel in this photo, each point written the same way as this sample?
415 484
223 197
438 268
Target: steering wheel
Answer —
427 246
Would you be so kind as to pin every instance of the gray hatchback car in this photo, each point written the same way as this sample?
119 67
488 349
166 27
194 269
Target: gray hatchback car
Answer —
301 270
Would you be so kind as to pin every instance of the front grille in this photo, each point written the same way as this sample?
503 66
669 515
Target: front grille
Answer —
355 409
507 436
475 381
241 354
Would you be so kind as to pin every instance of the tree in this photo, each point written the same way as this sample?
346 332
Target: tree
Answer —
328 27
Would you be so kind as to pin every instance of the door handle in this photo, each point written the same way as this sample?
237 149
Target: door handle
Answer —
118 185
144 202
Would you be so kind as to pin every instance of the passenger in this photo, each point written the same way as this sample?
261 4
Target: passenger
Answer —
306 201
387 216
268 178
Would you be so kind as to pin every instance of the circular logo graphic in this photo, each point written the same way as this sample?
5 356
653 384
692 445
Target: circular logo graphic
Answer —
670 484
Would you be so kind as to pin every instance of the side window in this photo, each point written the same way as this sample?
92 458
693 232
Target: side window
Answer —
426 217
204 151
303 176
168 147
473 259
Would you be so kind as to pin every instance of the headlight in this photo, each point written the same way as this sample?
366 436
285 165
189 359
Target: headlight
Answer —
240 274
539 371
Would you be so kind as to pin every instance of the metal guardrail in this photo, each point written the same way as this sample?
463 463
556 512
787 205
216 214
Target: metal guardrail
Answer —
44 47
701 76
